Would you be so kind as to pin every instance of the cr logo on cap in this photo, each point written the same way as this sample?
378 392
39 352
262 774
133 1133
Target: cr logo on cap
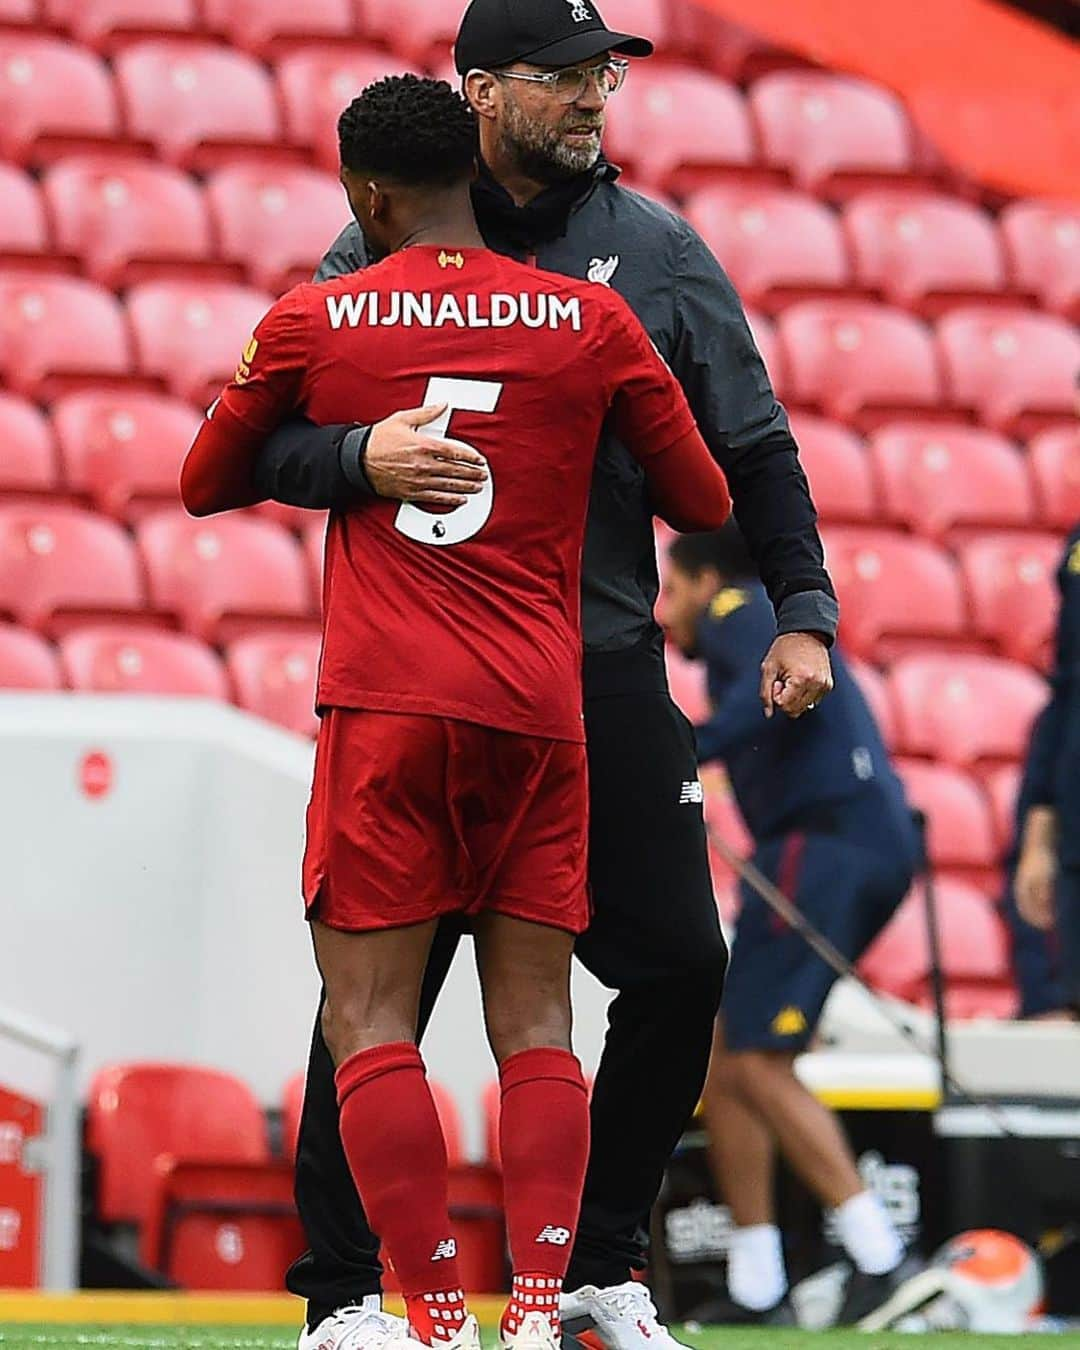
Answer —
580 10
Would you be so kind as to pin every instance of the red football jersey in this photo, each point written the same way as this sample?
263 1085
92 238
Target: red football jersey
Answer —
471 614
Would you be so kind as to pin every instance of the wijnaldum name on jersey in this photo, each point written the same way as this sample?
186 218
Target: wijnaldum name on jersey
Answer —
411 309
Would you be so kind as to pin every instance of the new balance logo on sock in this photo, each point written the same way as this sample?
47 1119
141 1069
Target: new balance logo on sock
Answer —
446 1250
558 1237
692 793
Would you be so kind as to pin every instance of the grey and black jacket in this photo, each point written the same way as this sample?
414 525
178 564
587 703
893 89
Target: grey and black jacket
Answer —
594 229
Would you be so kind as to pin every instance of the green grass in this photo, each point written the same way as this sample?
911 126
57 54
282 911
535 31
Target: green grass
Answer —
77 1337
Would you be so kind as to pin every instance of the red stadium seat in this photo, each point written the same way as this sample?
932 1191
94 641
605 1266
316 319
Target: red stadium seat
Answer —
58 334
937 476
107 25
190 336
777 246
1054 457
858 362
768 344
60 566
875 690
225 577
1010 581
724 821
267 28
26 661
316 85
960 831
124 449
129 221
974 952
655 128
1015 369
836 135
965 710
28 460
1043 243
141 661
24 235
18 14
1003 789
419 31
198 104
292 1106
274 676
276 222
737 53
136 1113
838 469
896 593
55 99
924 251
687 682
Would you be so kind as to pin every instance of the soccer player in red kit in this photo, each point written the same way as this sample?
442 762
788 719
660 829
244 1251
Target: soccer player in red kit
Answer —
450 772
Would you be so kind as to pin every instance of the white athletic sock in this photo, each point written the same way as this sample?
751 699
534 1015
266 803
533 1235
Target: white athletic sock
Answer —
868 1235
756 1275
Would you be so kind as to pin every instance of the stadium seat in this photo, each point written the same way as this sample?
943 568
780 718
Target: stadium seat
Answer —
225 577
731 50
190 336
924 251
274 677
687 682
858 362
269 28
27 661
938 476
107 25
974 951
141 661
419 31
129 221
316 85
198 104
965 710
24 234
834 134
724 821
17 14
838 469
655 128
875 690
59 334
777 246
1043 243
55 99
1015 369
896 593
1054 457
138 1113
28 459
292 1106
768 344
60 567
277 223
960 830
1010 580
226 1226
1002 786
124 449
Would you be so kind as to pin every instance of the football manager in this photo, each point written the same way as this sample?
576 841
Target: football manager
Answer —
538 74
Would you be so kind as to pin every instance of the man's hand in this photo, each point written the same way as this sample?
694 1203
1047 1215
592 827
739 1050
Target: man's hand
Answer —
1034 886
403 463
796 674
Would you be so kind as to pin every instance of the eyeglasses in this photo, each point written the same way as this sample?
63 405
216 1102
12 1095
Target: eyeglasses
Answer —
570 84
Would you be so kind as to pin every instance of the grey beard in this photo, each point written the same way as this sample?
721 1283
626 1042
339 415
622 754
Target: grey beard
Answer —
541 154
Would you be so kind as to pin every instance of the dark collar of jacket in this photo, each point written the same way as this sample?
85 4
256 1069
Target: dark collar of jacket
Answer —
546 217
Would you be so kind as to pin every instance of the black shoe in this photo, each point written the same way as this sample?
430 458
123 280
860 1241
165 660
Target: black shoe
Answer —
725 1312
865 1294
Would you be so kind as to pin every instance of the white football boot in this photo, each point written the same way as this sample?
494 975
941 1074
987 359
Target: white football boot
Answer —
622 1317
467 1337
534 1333
358 1326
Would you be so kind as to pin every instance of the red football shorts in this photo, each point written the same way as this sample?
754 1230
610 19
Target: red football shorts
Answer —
413 817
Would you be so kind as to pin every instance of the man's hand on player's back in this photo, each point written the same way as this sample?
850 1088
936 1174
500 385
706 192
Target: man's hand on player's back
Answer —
408 464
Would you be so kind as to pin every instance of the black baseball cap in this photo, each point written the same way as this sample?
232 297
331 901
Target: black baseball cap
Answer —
497 33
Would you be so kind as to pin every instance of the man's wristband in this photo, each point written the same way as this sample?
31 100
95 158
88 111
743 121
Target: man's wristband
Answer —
351 452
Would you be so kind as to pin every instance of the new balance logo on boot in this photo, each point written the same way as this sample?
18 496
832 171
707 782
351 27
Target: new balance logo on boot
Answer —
558 1237
446 1250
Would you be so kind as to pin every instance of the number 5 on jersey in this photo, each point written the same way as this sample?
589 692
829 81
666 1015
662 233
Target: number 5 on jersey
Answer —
466 521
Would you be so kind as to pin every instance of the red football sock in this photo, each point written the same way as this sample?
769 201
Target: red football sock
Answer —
397 1157
544 1138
